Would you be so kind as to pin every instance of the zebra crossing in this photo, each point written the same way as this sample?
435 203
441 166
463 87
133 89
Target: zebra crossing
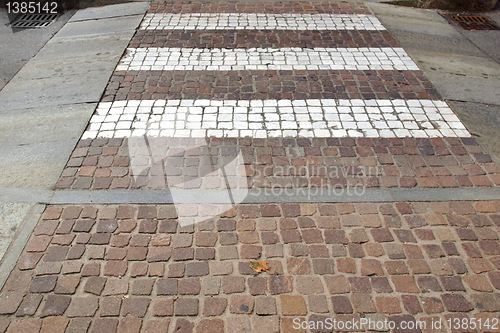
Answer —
266 117
260 21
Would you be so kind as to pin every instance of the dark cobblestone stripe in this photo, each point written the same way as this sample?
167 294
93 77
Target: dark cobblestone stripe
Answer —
249 85
303 7
231 39
300 163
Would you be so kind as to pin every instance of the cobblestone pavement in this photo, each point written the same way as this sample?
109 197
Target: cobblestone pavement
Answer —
297 163
301 95
123 267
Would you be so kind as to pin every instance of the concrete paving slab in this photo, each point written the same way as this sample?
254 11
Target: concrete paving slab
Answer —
53 97
25 217
11 216
23 195
119 10
82 52
48 84
20 46
46 124
457 67
463 78
483 38
482 121
36 158
107 26
68 197
36 165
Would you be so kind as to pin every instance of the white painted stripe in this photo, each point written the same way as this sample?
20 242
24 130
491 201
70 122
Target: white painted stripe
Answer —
154 58
251 21
275 118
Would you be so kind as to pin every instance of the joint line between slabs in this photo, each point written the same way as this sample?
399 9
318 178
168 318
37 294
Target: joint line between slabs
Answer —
277 195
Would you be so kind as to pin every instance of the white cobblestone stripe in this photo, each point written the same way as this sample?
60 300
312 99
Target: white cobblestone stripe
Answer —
153 58
253 21
275 118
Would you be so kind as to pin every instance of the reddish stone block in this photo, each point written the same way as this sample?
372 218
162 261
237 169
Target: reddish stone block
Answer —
312 236
28 306
52 213
189 286
104 325
250 251
363 303
214 306
210 326
206 239
142 286
43 284
147 212
25 326
130 325
38 243
494 279
148 226
323 266
115 268
83 306
167 286
479 265
334 236
233 284
381 284
55 305
452 283
183 254
298 266
371 267
270 210
405 284
183 325
341 305
186 307
396 267
265 306
279 284
257 285
67 284
478 282
432 305
387 304
290 210
346 265
291 236
293 305
135 306
163 253
456 303
337 284
381 235
356 250
163 307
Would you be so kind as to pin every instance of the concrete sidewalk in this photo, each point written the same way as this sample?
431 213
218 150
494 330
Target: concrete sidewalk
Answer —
47 105
463 65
